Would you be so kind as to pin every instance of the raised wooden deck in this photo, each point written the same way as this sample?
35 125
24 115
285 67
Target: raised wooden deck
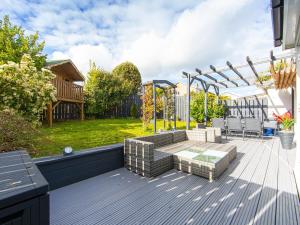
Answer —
258 188
68 91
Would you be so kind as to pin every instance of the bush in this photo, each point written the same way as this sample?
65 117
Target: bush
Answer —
25 89
102 92
214 110
130 78
133 111
16 133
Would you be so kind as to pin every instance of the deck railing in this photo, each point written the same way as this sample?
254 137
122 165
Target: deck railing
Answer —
68 91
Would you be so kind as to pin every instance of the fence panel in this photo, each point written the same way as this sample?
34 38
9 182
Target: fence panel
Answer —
254 107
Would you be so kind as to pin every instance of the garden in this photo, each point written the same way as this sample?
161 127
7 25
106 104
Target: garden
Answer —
27 88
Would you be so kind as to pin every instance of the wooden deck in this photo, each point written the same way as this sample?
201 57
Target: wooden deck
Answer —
258 188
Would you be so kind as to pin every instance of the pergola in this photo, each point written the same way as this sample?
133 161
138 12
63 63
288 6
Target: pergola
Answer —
216 78
163 85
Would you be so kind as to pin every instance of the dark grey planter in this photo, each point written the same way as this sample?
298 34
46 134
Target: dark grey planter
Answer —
286 139
200 126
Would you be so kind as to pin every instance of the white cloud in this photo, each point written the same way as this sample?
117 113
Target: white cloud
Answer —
81 55
161 37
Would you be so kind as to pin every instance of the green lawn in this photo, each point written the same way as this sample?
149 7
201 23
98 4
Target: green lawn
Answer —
90 133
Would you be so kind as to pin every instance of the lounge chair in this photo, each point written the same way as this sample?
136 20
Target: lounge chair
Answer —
253 125
235 125
219 123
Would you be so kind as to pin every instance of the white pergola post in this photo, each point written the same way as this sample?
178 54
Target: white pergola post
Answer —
297 117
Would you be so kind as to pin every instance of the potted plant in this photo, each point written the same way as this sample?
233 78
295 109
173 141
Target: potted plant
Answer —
286 134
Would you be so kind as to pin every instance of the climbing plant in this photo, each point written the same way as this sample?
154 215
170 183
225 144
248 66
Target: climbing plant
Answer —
169 107
148 104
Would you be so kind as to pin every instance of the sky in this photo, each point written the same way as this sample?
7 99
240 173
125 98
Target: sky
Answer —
162 38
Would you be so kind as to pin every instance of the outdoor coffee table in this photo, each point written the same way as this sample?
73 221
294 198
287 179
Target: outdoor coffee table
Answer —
208 163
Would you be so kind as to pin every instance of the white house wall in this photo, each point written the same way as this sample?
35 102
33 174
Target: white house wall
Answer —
279 101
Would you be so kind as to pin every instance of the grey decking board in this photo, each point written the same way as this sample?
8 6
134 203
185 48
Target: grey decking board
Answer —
246 212
216 212
158 203
288 210
193 202
173 207
97 205
295 199
121 203
185 214
170 208
118 198
87 201
228 207
118 214
153 211
266 208
87 192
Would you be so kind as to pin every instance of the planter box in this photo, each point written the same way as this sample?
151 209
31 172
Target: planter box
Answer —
286 139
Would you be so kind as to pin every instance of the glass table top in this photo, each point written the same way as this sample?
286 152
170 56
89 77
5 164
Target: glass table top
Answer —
198 153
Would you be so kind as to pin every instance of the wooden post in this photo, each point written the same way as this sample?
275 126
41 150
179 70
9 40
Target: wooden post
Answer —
188 101
205 107
165 110
154 108
82 111
50 114
205 87
174 108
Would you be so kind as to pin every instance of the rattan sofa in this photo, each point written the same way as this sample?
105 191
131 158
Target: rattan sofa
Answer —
213 134
148 156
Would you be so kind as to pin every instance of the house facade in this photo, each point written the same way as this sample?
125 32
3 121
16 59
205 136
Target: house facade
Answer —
286 30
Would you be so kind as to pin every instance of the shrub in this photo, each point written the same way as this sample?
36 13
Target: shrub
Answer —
16 132
214 110
133 111
102 92
130 78
25 89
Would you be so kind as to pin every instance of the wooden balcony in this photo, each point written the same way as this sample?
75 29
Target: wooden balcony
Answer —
68 91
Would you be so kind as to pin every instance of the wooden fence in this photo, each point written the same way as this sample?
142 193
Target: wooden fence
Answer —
123 109
66 111
247 107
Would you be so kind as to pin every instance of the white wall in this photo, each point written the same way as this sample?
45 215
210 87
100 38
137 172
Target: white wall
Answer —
279 101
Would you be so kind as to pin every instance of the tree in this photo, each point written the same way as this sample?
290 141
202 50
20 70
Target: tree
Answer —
130 78
102 91
214 110
14 44
25 89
